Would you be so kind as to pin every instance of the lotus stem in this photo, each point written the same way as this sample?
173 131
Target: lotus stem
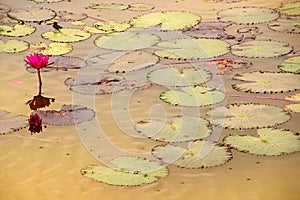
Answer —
40 81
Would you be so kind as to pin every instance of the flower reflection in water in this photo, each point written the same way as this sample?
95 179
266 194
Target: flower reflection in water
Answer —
35 123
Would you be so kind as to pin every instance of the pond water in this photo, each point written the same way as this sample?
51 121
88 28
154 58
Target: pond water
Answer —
47 165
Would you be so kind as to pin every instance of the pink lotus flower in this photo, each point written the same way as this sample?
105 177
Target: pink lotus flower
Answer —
38 61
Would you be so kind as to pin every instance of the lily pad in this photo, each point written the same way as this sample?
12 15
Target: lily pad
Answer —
168 20
293 107
247 15
261 49
291 65
181 129
107 27
190 156
286 25
271 142
17 30
247 116
13 46
132 61
130 171
140 7
172 77
66 35
63 63
267 82
67 115
66 16
127 41
4 8
109 6
11 124
54 48
193 96
226 66
35 14
46 1
290 8
192 48
208 30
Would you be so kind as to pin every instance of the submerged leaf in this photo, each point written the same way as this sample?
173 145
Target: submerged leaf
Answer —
286 25
247 116
193 96
66 16
66 35
168 20
67 115
261 49
192 48
109 6
181 129
17 30
4 8
35 14
197 154
11 124
13 46
140 7
172 77
247 15
291 65
271 142
267 82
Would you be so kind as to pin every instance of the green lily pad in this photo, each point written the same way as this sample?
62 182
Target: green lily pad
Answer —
17 30
53 49
267 82
132 61
127 41
247 15
190 156
293 107
172 77
181 129
200 48
130 171
193 96
13 46
11 124
290 8
67 35
35 14
140 7
247 116
261 49
271 142
109 6
286 25
291 65
169 20
46 1
107 27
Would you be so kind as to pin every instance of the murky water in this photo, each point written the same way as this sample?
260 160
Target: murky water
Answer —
47 165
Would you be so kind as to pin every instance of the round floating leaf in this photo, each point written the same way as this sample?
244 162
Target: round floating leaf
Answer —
78 23
107 27
247 15
169 20
140 7
182 129
293 107
13 46
290 8
17 30
288 25
66 35
66 16
131 61
191 156
36 14
67 115
192 48
193 96
4 9
11 124
172 77
247 116
267 82
261 49
291 65
126 41
109 6
54 48
271 142
47 1
208 30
